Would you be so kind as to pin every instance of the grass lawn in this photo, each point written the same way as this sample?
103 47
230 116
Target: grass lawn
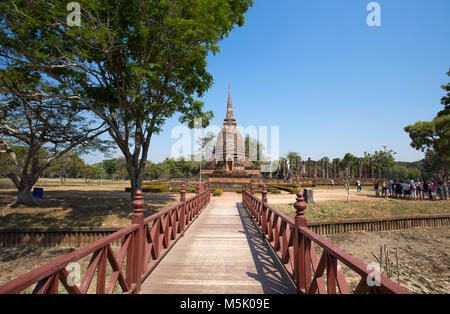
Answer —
80 208
331 210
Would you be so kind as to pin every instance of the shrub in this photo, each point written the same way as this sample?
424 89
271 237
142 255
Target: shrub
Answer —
216 192
273 191
308 185
288 188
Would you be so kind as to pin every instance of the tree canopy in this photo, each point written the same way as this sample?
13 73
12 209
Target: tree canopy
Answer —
133 63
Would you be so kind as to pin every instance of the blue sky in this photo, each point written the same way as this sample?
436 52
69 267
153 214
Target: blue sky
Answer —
328 80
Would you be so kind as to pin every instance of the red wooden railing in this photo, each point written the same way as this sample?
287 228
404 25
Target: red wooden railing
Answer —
294 245
144 244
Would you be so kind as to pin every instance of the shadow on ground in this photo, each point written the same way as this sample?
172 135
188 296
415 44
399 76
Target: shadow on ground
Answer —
79 208
270 273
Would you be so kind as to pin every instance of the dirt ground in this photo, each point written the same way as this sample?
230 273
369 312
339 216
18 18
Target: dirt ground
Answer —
424 256
80 207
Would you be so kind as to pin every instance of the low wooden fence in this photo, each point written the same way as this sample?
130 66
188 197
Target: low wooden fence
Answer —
295 245
143 244
54 237
82 236
386 224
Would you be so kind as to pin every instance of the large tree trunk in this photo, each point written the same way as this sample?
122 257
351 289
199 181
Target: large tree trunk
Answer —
24 195
445 190
136 175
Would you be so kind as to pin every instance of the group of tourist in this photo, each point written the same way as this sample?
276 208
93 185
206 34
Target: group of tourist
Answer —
415 190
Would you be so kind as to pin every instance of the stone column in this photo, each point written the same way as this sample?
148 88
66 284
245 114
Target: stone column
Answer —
334 168
309 168
322 169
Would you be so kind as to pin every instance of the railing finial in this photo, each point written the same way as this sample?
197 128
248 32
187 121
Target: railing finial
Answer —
252 189
183 194
197 189
264 194
138 202
300 206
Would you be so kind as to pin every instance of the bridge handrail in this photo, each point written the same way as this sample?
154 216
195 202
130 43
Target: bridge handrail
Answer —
144 244
293 243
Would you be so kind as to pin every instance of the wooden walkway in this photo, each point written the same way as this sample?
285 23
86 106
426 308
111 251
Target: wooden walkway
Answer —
222 252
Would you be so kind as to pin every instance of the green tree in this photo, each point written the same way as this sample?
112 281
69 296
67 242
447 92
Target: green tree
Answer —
445 101
110 167
254 149
384 160
293 157
89 172
132 63
69 165
32 117
433 137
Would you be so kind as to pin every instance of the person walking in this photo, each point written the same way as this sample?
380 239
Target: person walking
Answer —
433 189
426 190
358 186
386 189
377 192
419 189
412 189
399 189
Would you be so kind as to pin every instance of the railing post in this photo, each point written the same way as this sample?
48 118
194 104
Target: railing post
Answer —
138 249
299 245
198 200
183 209
264 209
252 189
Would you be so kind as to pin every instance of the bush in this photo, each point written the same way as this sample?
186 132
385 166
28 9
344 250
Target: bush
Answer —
288 188
310 185
216 192
161 188
273 191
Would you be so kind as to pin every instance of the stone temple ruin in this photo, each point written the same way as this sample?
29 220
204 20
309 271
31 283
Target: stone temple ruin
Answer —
231 165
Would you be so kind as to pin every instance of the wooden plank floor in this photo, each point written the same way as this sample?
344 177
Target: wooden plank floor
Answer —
222 252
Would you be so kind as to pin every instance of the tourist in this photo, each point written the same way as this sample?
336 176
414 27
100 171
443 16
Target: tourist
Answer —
377 193
391 188
386 189
332 184
426 190
358 186
433 189
412 189
419 189
399 189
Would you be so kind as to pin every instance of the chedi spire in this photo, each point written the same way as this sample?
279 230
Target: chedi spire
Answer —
229 119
